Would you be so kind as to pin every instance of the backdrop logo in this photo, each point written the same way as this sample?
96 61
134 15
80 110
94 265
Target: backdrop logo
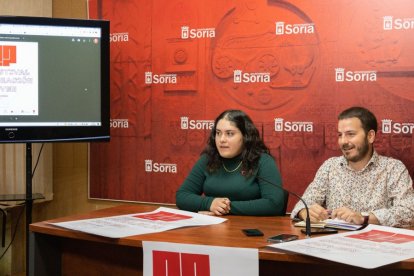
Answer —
389 23
119 37
151 166
239 77
354 76
187 33
151 78
118 123
186 123
288 29
389 127
386 126
287 126
7 55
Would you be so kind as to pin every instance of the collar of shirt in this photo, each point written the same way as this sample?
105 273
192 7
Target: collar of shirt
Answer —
373 161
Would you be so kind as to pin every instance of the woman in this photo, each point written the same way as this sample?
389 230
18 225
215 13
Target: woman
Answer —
227 177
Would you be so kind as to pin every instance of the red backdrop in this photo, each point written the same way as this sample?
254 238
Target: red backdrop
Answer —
288 73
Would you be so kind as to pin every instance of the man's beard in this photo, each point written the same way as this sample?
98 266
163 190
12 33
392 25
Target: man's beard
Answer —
362 151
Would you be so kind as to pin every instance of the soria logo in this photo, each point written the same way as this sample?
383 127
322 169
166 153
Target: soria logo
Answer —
186 123
151 166
341 75
186 32
386 126
118 123
7 55
389 127
151 78
287 126
288 29
239 77
119 37
389 23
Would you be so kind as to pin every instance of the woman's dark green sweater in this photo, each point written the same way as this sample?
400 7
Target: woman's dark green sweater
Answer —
248 196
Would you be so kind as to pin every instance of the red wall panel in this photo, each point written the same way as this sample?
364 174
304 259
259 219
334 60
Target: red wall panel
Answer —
318 37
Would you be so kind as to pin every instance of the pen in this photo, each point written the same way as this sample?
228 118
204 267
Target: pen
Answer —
329 213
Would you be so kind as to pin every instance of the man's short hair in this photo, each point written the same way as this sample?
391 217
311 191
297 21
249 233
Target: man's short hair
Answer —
367 118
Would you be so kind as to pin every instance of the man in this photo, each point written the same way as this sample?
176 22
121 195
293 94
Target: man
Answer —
361 186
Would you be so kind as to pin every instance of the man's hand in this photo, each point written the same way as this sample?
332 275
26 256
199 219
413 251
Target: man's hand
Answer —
316 213
348 215
220 206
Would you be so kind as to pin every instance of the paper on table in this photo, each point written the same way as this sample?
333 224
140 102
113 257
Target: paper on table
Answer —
161 219
341 224
371 247
313 225
332 223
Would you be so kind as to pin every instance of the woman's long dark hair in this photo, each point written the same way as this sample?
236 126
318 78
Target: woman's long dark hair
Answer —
253 145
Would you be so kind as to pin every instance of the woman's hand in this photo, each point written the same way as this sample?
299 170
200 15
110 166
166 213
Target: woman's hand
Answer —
208 213
220 206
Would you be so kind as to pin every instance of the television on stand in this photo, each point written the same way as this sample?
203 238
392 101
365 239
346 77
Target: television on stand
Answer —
54 85
54 80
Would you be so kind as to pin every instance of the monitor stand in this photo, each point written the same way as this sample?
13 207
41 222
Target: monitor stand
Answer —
28 200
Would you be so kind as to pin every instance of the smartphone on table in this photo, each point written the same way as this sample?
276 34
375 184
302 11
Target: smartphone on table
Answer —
252 232
282 238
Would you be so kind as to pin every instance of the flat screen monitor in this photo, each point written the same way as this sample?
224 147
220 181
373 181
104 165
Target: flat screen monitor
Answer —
54 80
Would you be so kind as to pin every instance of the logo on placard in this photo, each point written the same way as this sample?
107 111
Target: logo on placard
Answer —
151 78
389 23
186 123
389 127
151 166
118 123
183 264
7 55
255 77
288 126
119 37
341 75
187 33
282 28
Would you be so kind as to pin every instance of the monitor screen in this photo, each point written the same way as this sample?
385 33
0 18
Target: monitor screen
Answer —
54 79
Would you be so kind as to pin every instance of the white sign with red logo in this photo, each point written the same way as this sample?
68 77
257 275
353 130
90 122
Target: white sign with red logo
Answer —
371 247
168 259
